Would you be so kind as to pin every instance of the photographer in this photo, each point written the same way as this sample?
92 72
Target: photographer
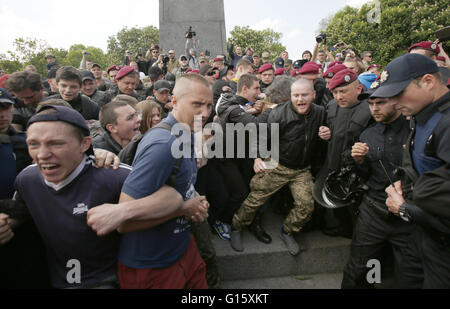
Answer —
140 61
321 56
191 49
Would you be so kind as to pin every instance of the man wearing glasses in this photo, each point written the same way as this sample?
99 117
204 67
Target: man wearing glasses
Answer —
366 58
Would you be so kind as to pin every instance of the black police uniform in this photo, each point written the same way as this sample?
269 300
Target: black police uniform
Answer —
375 225
426 263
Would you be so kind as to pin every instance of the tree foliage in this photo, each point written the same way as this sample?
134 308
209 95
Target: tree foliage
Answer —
259 40
403 23
131 39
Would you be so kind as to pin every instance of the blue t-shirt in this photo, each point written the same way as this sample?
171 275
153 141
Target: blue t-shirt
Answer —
163 245
60 215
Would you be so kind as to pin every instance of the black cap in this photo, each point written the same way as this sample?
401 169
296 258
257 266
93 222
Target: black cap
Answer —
155 72
400 72
5 98
64 114
161 85
279 63
299 63
87 75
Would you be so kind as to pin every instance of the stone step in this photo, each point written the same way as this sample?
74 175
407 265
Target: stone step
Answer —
319 281
320 255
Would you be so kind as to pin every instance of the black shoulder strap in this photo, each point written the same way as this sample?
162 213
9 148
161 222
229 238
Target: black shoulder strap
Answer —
171 182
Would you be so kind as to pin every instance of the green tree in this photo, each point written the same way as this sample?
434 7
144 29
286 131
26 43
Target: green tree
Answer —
402 24
9 66
131 39
260 40
75 55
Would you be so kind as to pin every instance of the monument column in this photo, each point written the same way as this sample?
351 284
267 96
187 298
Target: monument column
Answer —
207 18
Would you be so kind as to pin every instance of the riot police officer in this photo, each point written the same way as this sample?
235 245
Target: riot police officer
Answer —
415 82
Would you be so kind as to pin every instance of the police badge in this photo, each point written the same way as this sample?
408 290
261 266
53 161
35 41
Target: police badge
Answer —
375 85
384 76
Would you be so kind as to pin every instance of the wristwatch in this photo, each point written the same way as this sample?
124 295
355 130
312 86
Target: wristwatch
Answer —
403 213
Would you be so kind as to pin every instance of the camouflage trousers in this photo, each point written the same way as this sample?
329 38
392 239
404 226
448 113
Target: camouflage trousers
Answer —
266 184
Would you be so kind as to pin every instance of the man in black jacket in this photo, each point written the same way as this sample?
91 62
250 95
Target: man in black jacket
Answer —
421 197
237 170
299 122
120 124
69 82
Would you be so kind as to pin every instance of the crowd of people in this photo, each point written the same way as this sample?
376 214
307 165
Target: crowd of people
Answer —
89 176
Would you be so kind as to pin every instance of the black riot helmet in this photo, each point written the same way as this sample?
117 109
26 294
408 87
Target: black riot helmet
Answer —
343 188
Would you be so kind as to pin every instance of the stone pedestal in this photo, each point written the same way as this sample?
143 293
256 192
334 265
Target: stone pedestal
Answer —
207 18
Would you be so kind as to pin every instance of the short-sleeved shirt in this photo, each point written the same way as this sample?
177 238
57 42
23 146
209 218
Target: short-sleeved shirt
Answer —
60 216
163 245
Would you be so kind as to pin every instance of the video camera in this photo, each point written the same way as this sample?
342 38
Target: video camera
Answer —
321 38
190 34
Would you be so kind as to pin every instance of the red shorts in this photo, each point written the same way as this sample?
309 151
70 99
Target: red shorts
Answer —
187 273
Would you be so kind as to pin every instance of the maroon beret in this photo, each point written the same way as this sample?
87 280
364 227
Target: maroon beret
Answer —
265 67
195 72
113 68
343 78
310 68
124 72
431 46
440 58
334 63
295 72
218 59
374 66
279 71
334 70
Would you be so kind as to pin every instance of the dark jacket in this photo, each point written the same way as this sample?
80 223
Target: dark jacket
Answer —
231 109
234 58
85 106
103 140
300 145
100 98
115 91
346 125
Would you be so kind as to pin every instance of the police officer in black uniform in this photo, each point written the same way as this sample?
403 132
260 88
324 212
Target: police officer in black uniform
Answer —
415 83
375 225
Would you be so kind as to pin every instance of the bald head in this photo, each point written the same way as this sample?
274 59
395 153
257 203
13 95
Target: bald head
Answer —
185 84
304 83
192 98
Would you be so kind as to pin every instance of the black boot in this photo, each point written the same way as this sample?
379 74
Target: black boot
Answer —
257 230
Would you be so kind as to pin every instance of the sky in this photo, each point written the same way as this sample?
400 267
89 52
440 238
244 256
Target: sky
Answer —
63 23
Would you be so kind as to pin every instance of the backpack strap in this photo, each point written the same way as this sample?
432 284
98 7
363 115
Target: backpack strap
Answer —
172 180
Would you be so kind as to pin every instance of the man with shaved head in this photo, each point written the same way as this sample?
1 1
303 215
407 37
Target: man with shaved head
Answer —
163 254
299 122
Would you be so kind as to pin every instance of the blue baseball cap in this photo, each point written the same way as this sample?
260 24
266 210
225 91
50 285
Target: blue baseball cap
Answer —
400 72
